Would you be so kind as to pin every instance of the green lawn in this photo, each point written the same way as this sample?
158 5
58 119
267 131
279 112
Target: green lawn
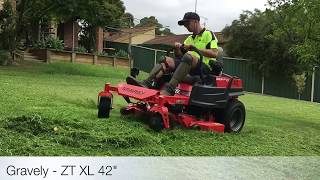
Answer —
37 98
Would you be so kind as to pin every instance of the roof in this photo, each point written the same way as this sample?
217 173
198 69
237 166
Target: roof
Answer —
124 33
171 39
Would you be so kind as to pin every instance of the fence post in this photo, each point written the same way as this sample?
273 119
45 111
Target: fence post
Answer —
95 59
313 83
155 57
73 57
48 56
114 61
14 56
262 84
130 50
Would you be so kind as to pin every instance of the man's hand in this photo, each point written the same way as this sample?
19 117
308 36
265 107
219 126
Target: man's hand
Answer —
177 45
187 47
184 46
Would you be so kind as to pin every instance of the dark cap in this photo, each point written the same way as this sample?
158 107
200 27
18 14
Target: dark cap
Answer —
189 16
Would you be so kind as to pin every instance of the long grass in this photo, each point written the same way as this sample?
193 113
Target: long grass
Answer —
51 110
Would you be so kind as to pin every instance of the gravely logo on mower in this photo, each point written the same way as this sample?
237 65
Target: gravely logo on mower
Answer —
133 91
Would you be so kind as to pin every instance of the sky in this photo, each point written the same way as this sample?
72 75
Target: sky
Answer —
215 14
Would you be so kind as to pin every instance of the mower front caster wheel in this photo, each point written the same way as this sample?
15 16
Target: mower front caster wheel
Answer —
104 107
156 122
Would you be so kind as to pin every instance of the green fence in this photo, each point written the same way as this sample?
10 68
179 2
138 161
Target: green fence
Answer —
251 78
145 58
274 84
116 45
282 86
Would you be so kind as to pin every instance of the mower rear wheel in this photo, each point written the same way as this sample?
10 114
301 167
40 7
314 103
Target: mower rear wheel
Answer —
233 117
156 122
104 107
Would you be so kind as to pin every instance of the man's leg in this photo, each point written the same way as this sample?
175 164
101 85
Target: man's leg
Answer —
167 64
187 62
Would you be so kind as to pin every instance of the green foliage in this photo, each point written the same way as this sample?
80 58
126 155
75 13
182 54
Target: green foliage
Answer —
127 20
54 43
4 57
148 22
40 44
300 81
122 53
32 14
81 49
153 22
283 38
50 43
299 22
7 27
164 31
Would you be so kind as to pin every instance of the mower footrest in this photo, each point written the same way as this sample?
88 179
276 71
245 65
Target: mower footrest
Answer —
209 126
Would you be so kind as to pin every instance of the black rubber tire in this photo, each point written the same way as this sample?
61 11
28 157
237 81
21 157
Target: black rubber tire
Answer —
124 111
104 107
233 117
156 122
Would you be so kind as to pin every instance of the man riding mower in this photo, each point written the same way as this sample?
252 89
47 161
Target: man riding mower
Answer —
195 95
210 103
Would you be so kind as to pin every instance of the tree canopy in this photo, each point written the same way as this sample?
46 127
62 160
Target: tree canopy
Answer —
284 37
152 21
32 13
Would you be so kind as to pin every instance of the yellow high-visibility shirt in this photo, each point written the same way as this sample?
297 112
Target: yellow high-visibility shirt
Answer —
204 40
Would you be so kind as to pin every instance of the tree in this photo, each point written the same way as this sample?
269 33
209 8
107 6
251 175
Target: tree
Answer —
149 21
127 20
283 38
7 27
299 20
33 14
248 38
152 21
300 82
7 33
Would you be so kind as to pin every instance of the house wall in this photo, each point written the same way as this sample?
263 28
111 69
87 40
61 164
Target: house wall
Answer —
99 39
141 38
70 28
137 38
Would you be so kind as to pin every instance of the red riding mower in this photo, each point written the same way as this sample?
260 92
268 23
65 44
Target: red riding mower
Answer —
212 106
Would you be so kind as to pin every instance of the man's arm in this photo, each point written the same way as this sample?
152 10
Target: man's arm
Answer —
212 53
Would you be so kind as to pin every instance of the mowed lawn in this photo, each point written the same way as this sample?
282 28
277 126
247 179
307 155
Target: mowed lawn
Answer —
51 110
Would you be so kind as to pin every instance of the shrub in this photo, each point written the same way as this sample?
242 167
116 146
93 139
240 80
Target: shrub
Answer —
102 53
81 49
51 43
4 57
54 43
300 82
122 53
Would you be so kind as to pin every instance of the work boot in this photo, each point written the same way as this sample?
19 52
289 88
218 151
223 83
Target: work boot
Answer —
168 91
133 81
147 83
181 72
